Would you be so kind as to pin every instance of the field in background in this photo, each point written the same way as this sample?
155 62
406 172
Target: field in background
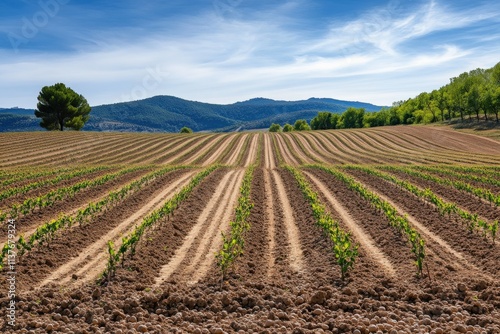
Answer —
72 193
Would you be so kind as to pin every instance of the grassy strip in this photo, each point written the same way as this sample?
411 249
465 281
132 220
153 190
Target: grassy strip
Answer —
400 223
472 220
129 242
459 185
233 243
344 249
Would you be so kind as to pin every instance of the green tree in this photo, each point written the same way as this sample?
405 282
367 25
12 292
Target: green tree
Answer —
352 118
287 128
275 128
301 125
322 121
60 106
186 130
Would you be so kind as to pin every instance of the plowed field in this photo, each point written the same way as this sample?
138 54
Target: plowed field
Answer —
167 204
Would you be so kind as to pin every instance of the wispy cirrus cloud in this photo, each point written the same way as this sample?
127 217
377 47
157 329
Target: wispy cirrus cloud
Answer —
388 52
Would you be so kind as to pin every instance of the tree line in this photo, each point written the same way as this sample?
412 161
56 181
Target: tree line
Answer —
471 95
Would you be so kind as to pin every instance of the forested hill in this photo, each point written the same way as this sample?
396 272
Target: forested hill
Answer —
170 114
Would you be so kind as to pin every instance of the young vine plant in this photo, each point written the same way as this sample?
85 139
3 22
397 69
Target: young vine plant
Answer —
233 242
130 241
344 249
397 221
46 232
472 220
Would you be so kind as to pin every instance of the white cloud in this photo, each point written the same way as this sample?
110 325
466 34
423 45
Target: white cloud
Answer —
225 59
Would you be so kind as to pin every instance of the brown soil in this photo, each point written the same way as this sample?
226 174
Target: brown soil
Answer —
43 261
252 151
463 199
81 199
92 260
477 250
359 234
264 292
234 154
269 157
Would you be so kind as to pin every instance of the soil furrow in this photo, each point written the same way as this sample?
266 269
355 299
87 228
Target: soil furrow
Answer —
72 204
200 265
313 153
69 243
296 149
236 151
296 257
252 151
440 247
361 236
478 251
270 160
288 157
394 244
92 260
270 219
217 154
180 255
462 199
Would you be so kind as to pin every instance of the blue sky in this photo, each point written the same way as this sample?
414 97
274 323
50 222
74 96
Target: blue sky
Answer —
223 51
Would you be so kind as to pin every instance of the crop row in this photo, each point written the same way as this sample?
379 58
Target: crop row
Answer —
472 221
483 170
233 243
34 185
129 242
400 223
21 175
344 249
50 198
46 232
465 176
460 185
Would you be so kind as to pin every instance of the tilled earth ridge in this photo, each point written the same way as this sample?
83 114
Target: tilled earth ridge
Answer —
311 301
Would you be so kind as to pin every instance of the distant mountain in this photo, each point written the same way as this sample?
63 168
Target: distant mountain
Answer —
170 114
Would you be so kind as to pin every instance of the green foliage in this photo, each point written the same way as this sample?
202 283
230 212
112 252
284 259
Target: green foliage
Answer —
343 248
275 128
233 243
352 118
324 121
46 232
469 94
301 125
287 128
30 204
471 220
60 106
64 176
400 223
186 130
459 185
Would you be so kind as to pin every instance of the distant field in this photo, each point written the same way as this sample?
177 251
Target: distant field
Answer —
164 199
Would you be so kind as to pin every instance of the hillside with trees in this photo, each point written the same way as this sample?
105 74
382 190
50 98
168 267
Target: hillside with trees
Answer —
470 97
170 114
